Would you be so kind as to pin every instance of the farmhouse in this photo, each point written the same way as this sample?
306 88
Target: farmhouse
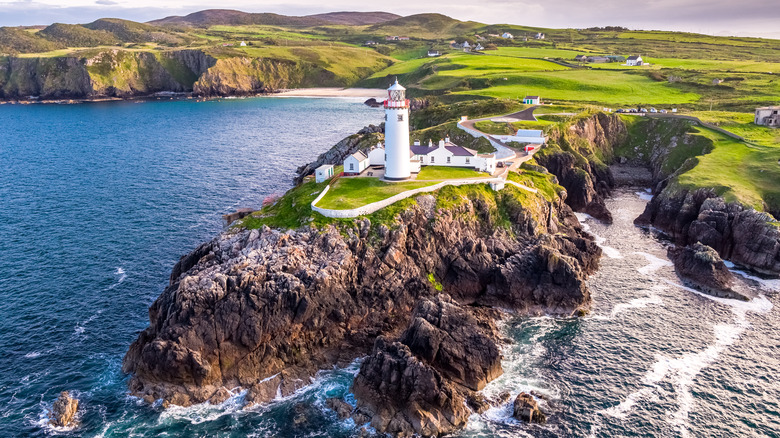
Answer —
433 53
532 100
507 35
539 36
634 61
323 172
768 116
581 58
355 163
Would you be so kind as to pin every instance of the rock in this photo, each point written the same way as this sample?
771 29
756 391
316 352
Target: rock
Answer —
340 407
406 396
501 398
526 409
63 411
449 338
478 403
373 103
364 139
702 266
220 396
744 236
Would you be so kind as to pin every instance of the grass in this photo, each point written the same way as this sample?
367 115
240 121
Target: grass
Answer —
742 125
737 171
490 127
605 87
349 193
445 172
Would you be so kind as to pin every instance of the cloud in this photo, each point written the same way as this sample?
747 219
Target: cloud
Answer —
106 2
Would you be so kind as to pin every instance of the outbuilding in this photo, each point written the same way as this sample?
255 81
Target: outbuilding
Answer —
532 100
323 173
355 164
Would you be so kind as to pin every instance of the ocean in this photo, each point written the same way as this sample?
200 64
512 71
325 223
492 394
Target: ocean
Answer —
98 201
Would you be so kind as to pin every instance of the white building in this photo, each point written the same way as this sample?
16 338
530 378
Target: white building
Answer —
323 172
433 53
397 163
539 36
355 163
450 154
534 136
532 100
507 35
376 156
768 116
634 61
243 44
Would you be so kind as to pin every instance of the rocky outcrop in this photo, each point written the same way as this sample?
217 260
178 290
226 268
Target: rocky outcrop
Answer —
364 139
572 157
265 309
63 411
742 235
525 408
701 266
419 384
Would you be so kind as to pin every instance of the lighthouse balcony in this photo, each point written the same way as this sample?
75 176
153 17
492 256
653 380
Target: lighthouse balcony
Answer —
400 104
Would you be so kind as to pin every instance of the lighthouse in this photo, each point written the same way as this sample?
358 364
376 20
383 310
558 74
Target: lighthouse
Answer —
397 166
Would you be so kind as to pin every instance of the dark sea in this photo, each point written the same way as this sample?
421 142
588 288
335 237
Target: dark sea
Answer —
98 201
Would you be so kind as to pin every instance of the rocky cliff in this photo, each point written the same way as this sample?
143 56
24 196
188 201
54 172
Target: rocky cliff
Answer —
264 309
578 154
100 73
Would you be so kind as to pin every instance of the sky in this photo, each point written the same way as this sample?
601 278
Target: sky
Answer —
759 18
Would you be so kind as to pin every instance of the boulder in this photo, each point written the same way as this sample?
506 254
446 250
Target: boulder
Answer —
340 407
701 266
527 409
63 411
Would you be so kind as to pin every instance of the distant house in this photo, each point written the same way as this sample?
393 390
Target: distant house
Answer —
369 43
403 38
391 38
355 163
478 47
532 100
507 35
634 61
768 116
323 172
598 59
581 58
539 36
717 81
243 44
433 53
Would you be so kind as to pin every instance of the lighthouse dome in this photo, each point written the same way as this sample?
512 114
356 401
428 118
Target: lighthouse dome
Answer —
396 86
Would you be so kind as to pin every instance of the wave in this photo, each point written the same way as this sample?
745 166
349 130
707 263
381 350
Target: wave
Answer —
645 195
655 263
122 275
608 251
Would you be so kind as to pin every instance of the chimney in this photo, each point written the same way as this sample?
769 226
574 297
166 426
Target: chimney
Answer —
446 139
430 143
441 143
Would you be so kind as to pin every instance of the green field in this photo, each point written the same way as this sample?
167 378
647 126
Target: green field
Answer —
737 171
444 172
348 193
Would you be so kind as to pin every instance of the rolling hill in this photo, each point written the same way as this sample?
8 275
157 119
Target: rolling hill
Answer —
229 17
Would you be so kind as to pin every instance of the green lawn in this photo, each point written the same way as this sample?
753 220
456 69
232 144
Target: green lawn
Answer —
742 125
606 87
348 193
737 171
445 172
498 128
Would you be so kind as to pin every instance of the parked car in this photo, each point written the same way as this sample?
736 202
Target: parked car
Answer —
653 110
500 164
663 111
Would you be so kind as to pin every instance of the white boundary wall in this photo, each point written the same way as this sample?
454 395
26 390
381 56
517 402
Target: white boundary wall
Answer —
374 206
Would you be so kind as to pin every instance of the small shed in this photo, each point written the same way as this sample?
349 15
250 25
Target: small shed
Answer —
323 173
355 163
532 100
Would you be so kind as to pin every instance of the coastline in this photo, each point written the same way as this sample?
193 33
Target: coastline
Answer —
323 92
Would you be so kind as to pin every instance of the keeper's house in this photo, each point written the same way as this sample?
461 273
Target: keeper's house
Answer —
355 163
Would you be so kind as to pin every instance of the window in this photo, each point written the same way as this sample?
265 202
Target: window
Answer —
448 160
432 159
400 117
468 160
351 166
385 117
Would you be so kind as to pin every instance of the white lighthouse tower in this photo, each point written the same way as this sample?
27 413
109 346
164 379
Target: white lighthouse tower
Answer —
397 166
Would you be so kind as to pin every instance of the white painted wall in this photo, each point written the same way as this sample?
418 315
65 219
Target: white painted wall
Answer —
352 165
397 164
323 172
376 157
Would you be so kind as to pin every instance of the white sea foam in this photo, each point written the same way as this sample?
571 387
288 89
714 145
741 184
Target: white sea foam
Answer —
645 195
772 285
637 303
608 251
32 355
655 263
759 304
120 272
205 412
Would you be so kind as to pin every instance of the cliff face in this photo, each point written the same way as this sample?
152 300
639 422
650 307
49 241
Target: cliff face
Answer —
578 156
121 73
264 309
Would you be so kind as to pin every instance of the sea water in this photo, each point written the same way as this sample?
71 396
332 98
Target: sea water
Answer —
98 201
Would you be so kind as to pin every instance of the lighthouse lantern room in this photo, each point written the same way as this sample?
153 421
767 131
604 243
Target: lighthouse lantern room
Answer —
397 165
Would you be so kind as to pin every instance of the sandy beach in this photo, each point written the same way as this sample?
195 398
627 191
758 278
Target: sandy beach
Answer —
365 93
